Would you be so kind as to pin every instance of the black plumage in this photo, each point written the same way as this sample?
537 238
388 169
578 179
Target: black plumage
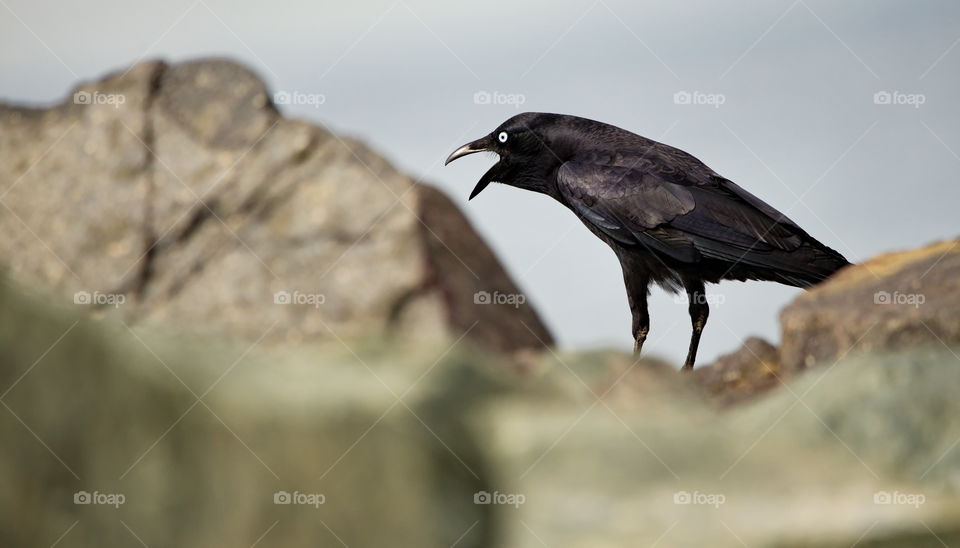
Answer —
670 219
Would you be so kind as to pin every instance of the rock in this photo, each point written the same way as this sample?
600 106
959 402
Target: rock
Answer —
885 411
462 270
752 369
828 461
180 195
214 444
207 440
892 301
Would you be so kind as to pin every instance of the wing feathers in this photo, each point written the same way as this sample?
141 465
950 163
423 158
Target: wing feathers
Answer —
689 213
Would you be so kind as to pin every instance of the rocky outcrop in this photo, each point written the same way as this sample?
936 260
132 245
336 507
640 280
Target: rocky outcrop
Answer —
892 301
180 195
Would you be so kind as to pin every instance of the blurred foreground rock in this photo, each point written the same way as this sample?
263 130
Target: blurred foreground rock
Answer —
183 194
377 444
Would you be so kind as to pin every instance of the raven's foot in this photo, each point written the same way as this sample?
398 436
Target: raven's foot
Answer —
638 343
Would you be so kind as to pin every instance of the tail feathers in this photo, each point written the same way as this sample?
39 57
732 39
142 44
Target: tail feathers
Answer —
809 265
805 265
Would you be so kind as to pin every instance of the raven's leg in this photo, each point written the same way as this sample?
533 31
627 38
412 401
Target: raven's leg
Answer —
641 325
637 297
699 310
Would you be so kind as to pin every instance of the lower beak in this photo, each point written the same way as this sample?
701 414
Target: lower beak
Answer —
480 145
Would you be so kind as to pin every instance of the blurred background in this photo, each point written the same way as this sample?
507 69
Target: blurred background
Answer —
841 115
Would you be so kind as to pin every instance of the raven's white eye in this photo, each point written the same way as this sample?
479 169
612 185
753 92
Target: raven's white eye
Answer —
502 137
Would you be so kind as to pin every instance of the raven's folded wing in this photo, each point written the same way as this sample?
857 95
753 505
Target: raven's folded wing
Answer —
686 214
625 203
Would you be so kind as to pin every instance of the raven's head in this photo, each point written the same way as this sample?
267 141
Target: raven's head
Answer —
530 145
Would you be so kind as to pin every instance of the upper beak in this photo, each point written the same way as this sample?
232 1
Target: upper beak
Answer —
480 145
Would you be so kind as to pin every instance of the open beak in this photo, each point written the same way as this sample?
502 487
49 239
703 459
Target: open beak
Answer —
480 145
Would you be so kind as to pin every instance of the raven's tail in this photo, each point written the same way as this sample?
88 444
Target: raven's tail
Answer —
809 265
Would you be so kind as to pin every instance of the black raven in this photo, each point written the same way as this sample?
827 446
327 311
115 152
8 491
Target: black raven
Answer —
669 218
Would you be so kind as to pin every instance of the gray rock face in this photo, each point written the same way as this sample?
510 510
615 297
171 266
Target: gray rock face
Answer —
182 191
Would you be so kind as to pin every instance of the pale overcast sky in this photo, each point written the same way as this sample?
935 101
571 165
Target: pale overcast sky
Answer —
798 125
